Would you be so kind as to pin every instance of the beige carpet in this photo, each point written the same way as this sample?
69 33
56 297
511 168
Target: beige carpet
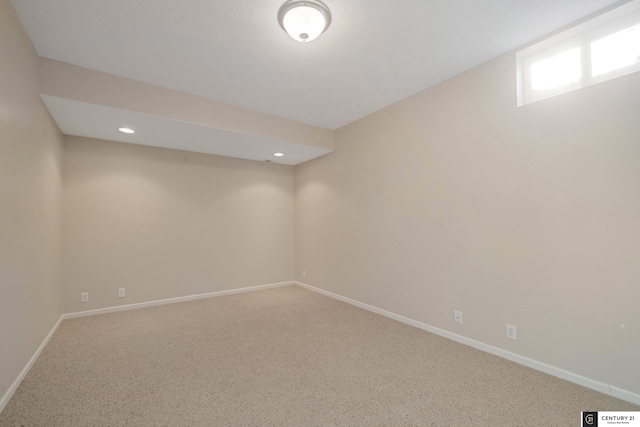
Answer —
280 357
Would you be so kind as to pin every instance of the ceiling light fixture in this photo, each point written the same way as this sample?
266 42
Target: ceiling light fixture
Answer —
278 154
126 130
304 20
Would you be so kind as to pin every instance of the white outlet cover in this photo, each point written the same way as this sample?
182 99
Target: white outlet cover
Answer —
457 317
511 332
121 293
84 297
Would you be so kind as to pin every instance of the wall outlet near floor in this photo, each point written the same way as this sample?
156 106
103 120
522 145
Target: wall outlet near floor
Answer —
84 297
304 273
457 317
121 293
511 332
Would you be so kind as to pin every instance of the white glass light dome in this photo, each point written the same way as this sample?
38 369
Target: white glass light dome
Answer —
304 20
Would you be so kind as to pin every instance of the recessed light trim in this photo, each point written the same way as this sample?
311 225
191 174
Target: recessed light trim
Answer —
126 130
278 154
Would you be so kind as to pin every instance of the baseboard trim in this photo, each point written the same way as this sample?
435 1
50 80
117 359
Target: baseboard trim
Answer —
174 300
9 393
625 395
534 364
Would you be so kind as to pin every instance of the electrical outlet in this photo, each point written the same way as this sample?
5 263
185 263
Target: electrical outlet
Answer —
304 273
84 297
121 293
457 317
511 332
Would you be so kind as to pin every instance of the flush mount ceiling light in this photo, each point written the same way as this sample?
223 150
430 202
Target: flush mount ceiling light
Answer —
126 130
304 20
278 154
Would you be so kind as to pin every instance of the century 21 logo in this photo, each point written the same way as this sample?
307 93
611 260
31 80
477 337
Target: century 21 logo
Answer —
590 419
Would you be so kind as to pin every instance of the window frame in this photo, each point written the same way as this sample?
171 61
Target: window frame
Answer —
581 35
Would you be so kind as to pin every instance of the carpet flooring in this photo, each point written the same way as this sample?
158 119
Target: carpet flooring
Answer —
280 357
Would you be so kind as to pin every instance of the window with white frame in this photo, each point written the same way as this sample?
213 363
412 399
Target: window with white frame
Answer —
600 49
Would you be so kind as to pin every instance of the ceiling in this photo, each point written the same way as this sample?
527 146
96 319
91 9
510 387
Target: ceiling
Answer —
375 52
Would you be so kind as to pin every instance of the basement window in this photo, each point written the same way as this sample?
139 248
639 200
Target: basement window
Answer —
597 50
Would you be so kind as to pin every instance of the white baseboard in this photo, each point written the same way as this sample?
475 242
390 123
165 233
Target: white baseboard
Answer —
625 395
534 364
9 394
174 300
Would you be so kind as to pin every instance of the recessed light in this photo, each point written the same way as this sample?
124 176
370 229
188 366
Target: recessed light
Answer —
126 130
278 154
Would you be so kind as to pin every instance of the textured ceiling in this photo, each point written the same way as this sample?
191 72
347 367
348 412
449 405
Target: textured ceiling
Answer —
375 52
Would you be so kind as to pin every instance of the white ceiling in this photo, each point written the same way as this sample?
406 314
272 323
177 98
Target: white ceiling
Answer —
375 53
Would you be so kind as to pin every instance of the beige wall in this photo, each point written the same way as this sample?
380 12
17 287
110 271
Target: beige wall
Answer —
454 199
30 191
166 223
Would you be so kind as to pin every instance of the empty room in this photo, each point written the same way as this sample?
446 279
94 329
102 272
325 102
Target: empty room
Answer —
319 213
